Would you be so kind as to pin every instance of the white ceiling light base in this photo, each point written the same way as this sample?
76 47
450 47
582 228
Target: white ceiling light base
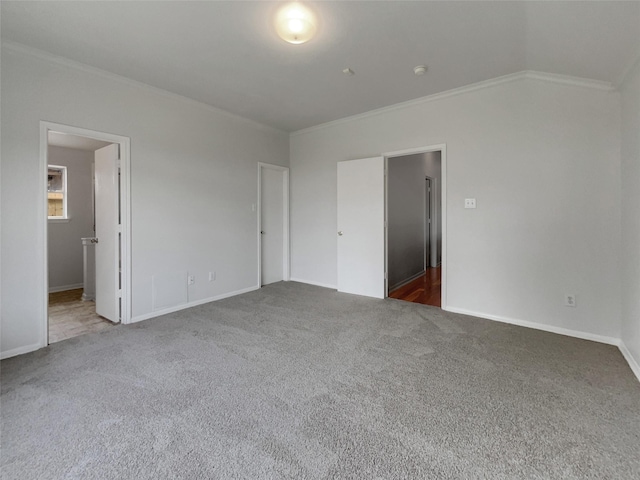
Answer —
296 23
420 69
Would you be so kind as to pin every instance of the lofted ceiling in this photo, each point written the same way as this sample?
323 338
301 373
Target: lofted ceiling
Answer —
226 54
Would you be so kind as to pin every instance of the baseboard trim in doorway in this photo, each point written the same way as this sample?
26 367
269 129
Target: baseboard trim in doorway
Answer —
317 284
20 350
633 364
195 303
64 288
539 326
408 280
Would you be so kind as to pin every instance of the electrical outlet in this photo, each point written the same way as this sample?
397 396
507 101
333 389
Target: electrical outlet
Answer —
191 279
212 276
569 300
469 203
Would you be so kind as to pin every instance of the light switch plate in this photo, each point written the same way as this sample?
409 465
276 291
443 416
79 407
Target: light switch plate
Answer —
469 203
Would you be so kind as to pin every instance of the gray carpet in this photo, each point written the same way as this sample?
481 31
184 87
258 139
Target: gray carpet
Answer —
296 381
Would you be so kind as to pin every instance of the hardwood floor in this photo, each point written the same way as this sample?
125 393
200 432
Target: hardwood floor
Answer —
69 316
425 289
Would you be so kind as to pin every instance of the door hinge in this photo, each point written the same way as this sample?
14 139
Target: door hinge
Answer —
386 276
119 293
119 153
119 228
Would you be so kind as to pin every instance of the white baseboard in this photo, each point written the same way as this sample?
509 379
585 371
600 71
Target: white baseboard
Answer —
635 368
64 288
20 350
317 284
539 326
407 280
195 303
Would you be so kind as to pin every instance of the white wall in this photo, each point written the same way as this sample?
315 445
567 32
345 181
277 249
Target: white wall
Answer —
193 182
406 216
631 215
542 159
65 246
433 169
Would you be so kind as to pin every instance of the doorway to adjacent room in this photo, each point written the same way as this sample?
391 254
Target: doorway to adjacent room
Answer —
87 230
382 243
414 235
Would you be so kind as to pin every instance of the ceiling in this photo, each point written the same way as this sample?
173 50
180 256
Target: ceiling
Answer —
226 54
58 139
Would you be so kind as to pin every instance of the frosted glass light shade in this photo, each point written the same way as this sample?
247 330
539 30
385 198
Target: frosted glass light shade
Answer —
295 23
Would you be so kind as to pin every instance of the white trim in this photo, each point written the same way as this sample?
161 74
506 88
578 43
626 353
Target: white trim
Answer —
20 351
633 364
415 150
286 261
539 326
525 74
64 288
386 226
430 232
317 284
570 80
65 201
43 214
442 148
19 48
407 280
195 303
125 212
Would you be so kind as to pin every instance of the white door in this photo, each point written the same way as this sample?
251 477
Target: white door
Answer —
361 235
272 224
107 248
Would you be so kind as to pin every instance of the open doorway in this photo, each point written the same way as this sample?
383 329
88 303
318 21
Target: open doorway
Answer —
414 235
87 225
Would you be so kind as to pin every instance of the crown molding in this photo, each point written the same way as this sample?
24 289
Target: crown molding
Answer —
569 80
21 49
525 74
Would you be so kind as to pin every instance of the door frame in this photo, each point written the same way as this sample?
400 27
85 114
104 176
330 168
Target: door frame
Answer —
125 213
443 210
428 226
286 270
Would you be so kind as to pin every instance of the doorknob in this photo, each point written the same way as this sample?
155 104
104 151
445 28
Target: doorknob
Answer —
94 240
340 233
261 232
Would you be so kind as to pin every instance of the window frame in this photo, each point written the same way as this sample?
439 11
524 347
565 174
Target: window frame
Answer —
65 201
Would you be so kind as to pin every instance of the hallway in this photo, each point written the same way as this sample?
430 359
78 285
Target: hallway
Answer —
425 289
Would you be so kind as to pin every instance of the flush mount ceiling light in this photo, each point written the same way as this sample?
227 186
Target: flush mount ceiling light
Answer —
295 23
420 70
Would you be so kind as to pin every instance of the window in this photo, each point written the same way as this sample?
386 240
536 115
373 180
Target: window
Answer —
57 192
